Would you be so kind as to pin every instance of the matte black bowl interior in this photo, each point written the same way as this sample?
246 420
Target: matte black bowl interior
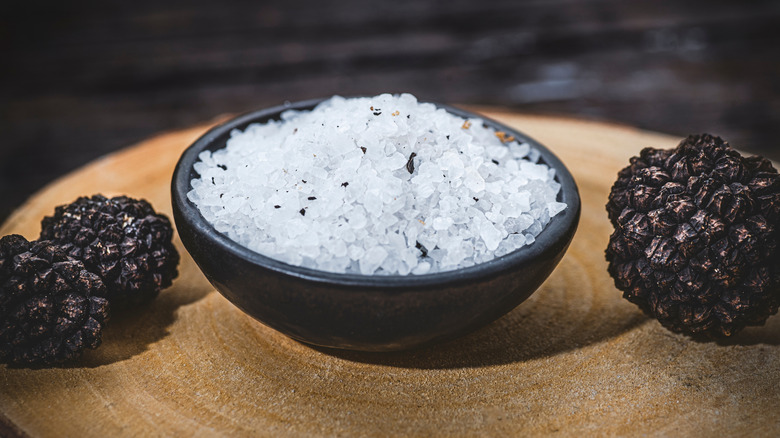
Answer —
359 312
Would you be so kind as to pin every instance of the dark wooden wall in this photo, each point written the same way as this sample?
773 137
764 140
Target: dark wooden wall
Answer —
80 79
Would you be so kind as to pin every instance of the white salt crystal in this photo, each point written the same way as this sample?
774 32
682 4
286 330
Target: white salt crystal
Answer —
355 252
535 228
474 181
555 207
357 220
436 254
515 240
309 251
494 187
338 248
503 249
372 259
451 163
404 269
425 189
490 235
331 189
533 155
496 152
294 228
373 204
422 268
442 223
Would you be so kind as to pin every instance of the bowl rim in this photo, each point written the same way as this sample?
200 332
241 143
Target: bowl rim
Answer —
554 237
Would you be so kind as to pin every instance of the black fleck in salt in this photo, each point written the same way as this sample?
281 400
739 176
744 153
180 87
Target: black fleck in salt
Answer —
423 250
410 163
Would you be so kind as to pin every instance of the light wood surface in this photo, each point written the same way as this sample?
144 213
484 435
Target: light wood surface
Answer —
574 359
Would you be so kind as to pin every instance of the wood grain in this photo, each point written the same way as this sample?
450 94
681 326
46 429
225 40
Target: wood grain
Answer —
574 359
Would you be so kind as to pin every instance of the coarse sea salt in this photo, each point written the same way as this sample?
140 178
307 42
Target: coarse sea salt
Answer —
380 185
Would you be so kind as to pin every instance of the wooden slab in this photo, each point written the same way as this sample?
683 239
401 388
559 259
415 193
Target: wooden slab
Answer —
574 359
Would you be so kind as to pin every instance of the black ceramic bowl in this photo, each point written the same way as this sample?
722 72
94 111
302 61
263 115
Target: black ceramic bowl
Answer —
359 312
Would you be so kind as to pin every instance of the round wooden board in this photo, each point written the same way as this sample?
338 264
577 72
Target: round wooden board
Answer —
575 358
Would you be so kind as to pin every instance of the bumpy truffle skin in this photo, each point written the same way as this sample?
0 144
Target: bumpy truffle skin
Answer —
696 234
121 239
49 308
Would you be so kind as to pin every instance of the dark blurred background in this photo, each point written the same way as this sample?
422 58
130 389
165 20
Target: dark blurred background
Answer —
81 79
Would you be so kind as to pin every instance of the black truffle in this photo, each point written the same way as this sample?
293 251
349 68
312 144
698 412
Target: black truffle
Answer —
121 239
49 308
696 233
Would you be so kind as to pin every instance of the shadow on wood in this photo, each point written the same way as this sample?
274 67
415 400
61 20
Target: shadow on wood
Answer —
133 332
769 334
560 317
